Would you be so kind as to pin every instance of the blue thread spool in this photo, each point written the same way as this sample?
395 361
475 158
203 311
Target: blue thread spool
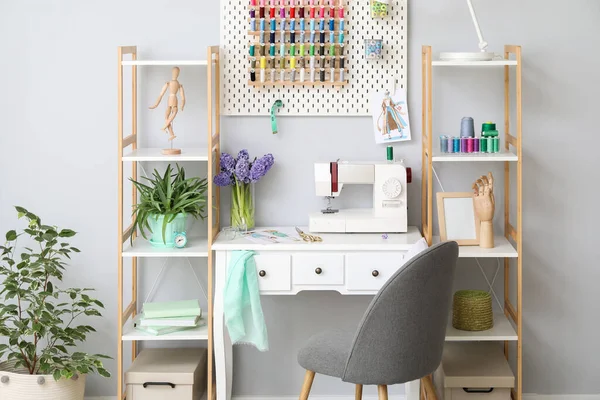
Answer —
261 37
262 24
302 24
331 24
312 24
322 25
282 50
331 37
341 37
282 25
341 25
312 36
302 37
252 24
293 25
467 127
272 50
450 145
444 144
456 142
273 24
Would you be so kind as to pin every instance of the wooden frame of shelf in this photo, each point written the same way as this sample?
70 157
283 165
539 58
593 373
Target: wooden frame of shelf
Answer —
202 248
513 153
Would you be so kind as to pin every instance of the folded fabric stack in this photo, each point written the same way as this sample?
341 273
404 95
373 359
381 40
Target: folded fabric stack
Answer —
161 318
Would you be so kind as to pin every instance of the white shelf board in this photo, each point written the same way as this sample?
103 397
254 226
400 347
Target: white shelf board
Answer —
192 154
503 249
196 247
131 334
165 62
470 157
494 63
502 330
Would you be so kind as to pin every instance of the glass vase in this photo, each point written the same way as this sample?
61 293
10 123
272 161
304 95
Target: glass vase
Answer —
242 206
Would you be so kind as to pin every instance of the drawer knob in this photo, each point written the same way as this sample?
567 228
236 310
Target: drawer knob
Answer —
375 273
262 273
318 271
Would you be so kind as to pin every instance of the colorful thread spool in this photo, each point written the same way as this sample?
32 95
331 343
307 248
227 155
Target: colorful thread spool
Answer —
282 37
302 24
322 37
252 50
272 12
301 12
261 12
312 12
331 24
261 37
456 143
272 37
293 49
450 145
272 50
293 25
322 25
483 145
342 70
470 145
332 50
302 48
292 37
467 127
341 37
444 144
496 143
341 25
282 26
463 145
322 12
312 36
282 12
476 145
322 75
331 37
312 49
292 12
262 24
312 25
252 26
490 144
273 25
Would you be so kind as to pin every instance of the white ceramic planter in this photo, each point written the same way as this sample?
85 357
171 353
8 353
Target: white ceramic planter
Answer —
15 386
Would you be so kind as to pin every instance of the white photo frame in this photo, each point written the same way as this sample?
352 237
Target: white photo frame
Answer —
457 219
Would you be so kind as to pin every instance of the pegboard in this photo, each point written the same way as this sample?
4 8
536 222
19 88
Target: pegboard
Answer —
363 76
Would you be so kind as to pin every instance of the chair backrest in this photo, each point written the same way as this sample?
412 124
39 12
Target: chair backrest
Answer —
402 333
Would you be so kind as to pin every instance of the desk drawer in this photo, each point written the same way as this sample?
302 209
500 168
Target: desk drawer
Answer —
274 272
318 269
369 271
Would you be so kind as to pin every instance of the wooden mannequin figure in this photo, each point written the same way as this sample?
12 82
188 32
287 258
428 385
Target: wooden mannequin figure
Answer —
485 206
174 88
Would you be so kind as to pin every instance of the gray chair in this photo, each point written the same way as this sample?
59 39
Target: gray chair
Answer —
401 335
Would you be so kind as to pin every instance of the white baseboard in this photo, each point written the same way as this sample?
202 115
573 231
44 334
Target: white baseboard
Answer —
526 396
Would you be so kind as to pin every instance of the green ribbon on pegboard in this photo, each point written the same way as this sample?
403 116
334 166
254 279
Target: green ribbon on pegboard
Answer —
277 104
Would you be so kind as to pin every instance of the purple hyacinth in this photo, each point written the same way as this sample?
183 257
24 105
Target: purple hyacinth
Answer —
260 167
243 155
242 170
227 162
223 179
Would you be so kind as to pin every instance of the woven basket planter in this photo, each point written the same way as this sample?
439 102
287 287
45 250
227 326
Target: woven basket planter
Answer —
472 310
22 386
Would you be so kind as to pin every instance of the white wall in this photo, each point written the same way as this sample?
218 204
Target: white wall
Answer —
58 157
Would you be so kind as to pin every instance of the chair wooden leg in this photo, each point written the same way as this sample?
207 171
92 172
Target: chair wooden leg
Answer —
382 391
308 381
358 392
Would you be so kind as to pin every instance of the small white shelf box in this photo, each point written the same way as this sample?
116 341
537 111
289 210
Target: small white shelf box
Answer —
494 63
192 154
502 330
503 249
131 334
470 157
165 62
197 247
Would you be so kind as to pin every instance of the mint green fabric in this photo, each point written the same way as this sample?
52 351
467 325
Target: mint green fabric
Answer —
243 312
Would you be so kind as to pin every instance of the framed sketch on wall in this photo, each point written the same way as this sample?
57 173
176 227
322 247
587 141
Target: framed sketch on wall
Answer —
390 116
457 219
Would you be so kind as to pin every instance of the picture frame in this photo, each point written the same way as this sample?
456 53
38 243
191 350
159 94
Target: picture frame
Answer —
457 219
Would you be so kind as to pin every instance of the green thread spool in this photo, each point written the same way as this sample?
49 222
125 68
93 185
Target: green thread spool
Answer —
302 50
332 50
490 144
251 50
312 49
483 145
292 49
390 153
489 129
496 142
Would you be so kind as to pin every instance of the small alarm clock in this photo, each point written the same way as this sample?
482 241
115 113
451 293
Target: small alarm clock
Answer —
180 240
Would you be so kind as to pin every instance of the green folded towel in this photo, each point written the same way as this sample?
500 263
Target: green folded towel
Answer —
243 312
185 308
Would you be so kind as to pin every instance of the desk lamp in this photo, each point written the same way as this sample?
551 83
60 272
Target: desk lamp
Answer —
482 55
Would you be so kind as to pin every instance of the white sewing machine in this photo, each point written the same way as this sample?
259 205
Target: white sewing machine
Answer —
389 212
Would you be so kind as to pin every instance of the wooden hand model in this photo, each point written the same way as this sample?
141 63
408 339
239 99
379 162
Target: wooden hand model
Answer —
485 206
174 87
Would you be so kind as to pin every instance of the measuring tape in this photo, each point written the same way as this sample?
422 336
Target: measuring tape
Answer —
277 104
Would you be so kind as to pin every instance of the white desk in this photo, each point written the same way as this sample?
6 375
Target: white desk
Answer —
351 264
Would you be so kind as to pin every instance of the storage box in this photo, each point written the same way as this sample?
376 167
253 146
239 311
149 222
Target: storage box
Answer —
173 374
473 371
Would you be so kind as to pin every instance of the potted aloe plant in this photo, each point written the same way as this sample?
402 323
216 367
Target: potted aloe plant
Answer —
165 203
38 317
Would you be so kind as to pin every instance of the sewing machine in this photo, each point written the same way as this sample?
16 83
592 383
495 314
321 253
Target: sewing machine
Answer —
389 212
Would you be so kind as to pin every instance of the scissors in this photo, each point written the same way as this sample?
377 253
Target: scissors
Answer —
308 238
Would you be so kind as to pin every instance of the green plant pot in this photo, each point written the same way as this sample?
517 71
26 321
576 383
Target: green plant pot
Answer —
173 227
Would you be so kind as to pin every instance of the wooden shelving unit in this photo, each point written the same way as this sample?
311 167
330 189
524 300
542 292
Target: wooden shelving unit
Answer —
198 247
508 326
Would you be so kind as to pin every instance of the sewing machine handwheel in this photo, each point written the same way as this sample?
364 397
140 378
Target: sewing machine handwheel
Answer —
318 271
375 273
262 273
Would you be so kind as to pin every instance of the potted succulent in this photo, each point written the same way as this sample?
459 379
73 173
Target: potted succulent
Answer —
38 318
166 202
241 174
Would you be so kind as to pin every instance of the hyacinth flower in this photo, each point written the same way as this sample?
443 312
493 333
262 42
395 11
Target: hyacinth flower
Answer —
241 173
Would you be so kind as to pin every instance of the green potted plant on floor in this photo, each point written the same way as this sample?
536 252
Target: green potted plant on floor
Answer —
166 202
38 318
